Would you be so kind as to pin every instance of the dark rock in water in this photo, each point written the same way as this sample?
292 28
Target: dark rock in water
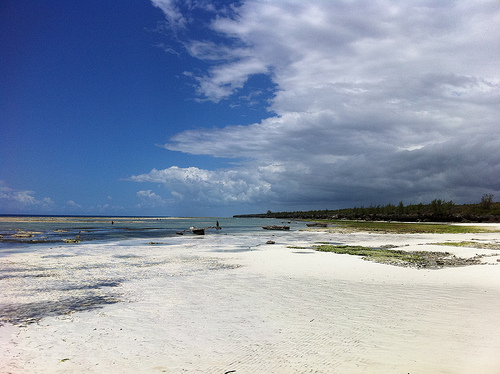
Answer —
270 242
71 240
22 235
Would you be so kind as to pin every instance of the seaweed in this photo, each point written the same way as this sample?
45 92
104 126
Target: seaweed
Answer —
471 244
418 259
26 313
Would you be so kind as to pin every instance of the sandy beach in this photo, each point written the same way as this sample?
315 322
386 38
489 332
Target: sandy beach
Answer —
234 304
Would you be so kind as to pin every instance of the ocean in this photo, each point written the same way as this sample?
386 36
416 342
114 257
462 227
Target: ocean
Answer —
25 233
53 265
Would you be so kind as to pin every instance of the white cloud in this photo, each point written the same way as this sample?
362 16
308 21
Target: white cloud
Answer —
13 201
172 13
224 81
209 187
150 199
375 101
73 204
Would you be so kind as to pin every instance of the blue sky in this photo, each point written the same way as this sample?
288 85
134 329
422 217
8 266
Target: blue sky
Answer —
196 108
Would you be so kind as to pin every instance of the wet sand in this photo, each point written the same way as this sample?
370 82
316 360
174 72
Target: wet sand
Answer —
219 304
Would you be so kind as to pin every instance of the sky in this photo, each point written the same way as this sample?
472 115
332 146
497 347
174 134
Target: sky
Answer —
216 108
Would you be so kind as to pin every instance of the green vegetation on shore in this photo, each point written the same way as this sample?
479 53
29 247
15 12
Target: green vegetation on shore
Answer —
436 211
418 259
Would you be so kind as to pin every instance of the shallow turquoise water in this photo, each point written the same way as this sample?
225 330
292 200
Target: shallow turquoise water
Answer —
42 231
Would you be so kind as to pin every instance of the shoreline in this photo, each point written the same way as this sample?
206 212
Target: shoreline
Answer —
222 303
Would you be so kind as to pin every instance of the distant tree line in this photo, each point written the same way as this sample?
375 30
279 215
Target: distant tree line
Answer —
436 211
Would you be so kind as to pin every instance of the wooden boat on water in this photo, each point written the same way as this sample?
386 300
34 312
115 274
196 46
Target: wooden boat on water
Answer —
276 227
197 231
316 224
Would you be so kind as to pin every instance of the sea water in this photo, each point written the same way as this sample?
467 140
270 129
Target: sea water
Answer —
23 233
76 264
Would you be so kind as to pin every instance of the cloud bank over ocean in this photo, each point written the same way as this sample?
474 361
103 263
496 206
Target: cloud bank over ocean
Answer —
373 102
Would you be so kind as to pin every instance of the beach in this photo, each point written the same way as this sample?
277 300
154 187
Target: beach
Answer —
234 304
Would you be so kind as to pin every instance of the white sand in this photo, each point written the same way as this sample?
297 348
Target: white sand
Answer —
219 303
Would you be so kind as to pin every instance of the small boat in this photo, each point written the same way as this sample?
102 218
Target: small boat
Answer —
197 231
276 227
316 224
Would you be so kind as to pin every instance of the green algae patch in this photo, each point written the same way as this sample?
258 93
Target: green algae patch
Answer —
417 259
